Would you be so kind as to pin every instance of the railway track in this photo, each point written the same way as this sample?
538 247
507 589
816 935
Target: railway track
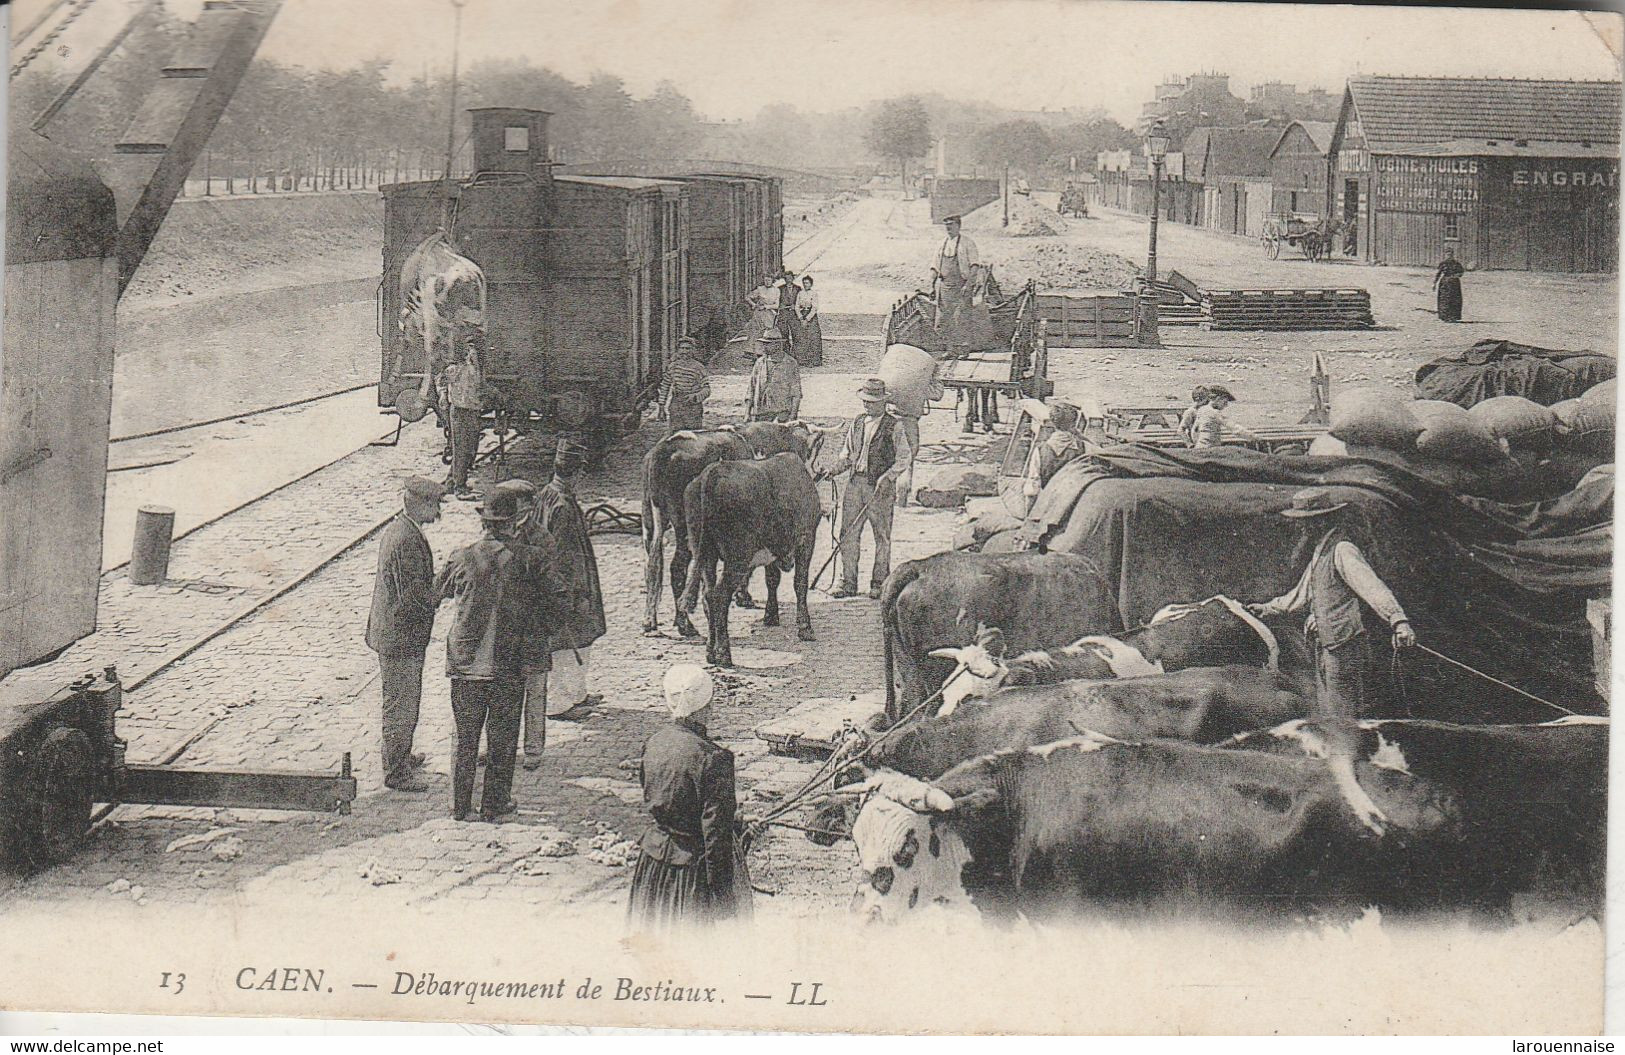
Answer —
240 415
831 235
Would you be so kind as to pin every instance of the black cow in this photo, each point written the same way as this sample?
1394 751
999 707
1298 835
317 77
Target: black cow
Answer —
1529 803
746 514
1204 704
670 466
941 601
1260 824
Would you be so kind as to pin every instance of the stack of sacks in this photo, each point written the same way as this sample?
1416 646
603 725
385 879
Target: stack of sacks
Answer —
1451 433
1589 419
1521 425
1507 448
1430 429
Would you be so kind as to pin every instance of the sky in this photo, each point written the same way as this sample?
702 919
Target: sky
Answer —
731 57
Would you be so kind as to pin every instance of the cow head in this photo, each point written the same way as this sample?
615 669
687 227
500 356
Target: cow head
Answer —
1212 633
909 856
980 668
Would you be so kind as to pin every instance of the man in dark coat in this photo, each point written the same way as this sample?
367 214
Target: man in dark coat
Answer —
485 655
691 867
550 607
399 625
577 569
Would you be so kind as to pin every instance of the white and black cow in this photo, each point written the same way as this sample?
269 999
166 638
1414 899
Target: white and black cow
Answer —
1202 704
1216 632
1259 824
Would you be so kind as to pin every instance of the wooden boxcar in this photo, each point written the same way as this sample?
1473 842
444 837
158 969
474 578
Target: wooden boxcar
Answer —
735 236
56 396
586 278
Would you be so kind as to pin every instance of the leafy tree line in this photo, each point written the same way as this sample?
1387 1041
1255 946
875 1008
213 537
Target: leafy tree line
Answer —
289 127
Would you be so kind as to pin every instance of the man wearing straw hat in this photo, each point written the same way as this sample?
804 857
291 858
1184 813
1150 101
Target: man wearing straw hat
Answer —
489 580
691 867
774 393
1335 584
877 452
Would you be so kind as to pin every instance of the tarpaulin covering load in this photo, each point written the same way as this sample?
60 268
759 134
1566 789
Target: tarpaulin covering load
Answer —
1500 587
1505 368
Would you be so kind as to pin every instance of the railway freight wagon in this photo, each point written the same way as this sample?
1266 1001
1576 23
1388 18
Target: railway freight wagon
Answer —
735 236
60 752
586 280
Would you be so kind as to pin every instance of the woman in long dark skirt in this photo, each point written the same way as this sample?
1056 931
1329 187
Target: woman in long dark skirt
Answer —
1447 280
691 866
809 346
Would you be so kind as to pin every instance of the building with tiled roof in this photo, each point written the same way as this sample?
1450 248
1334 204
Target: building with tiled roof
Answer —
1298 166
1510 173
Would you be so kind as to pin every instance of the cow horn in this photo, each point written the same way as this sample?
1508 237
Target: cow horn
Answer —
956 654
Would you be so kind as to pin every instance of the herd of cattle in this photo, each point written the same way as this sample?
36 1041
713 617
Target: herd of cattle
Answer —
1034 758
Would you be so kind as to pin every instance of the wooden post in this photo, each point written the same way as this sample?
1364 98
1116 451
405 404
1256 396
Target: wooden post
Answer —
149 554
1320 393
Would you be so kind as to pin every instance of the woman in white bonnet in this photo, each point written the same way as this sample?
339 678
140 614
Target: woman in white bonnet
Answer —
690 864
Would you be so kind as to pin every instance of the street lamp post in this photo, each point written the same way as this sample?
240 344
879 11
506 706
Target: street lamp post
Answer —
1156 149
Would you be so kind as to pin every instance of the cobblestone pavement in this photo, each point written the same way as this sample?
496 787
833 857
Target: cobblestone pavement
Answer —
293 686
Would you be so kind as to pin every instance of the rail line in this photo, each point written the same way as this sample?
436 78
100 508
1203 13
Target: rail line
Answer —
172 429
835 233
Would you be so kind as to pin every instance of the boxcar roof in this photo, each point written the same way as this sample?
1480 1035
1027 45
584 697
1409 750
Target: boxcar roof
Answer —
620 182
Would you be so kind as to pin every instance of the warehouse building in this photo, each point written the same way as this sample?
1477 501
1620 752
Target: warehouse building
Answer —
1298 168
1232 167
1514 174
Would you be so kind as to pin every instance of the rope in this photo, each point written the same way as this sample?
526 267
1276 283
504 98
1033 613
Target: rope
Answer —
846 531
836 762
1493 681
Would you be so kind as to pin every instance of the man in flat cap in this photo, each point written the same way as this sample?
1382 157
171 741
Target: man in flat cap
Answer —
399 625
877 453
955 258
775 382
582 620
485 655
685 388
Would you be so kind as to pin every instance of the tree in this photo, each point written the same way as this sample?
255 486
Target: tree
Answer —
1089 138
1022 145
900 129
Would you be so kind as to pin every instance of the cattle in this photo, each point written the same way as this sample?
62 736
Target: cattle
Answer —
940 600
1218 631
1258 826
1203 704
1530 802
744 515
670 466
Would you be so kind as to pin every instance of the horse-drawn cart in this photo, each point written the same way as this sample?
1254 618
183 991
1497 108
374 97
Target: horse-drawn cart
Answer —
1307 232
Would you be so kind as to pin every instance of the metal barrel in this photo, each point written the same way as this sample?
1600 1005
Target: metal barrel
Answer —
149 555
